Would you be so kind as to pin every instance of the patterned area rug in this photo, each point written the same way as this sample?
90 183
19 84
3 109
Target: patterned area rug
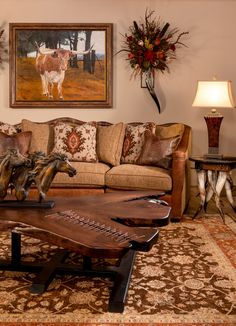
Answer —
188 278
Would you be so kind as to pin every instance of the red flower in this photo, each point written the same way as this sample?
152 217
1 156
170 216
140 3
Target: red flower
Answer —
161 54
130 55
157 41
150 56
130 38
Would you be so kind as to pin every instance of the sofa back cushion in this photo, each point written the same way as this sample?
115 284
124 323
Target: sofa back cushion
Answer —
169 130
41 132
110 141
78 142
8 129
133 142
19 141
157 152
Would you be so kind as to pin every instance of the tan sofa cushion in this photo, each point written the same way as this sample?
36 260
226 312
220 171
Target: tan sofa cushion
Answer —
40 135
88 175
171 131
136 177
110 141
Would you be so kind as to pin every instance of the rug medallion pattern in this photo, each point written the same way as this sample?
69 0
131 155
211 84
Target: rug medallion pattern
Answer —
188 276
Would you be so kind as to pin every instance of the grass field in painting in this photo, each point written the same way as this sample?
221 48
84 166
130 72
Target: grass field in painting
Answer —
77 86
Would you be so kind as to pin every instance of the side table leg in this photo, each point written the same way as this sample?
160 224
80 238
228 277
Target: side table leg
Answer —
201 175
212 178
219 186
229 192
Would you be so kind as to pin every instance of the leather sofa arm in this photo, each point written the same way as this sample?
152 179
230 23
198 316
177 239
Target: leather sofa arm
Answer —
181 174
184 146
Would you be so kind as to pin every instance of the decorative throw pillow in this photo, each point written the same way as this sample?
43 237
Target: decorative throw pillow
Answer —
110 141
8 129
20 141
133 142
157 152
40 135
173 130
77 142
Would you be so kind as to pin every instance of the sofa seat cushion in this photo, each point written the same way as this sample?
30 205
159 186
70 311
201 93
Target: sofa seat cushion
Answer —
136 177
88 175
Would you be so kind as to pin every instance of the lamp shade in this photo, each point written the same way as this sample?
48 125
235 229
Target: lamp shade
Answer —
214 93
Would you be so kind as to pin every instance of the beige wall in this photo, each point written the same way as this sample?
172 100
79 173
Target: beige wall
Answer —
211 52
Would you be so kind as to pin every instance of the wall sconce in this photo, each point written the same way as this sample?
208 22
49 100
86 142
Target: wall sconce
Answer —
214 94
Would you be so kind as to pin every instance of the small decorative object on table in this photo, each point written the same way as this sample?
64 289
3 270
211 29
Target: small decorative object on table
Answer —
151 45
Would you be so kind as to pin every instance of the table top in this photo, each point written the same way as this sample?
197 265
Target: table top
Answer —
224 160
89 224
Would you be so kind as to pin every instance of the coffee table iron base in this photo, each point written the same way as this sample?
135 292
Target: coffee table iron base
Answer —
120 275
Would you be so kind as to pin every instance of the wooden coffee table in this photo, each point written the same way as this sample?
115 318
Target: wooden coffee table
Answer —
113 225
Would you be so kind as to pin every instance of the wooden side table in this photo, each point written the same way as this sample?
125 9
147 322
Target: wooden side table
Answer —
213 175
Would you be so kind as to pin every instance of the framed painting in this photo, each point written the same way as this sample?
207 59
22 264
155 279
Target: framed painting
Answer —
60 65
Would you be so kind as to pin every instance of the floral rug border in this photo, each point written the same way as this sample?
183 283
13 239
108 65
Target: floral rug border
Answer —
222 238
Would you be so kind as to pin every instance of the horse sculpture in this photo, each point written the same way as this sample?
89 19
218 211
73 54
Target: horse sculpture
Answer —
45 170
8 162
20 177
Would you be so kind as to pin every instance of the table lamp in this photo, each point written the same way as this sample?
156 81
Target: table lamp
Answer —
214 94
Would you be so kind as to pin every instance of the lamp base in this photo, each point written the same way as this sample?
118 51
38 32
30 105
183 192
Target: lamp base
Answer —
213 156
213 153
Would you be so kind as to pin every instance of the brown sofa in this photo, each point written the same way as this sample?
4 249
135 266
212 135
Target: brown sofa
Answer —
110 170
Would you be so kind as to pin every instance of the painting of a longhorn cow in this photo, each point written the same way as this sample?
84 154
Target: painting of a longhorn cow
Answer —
52 64
60 65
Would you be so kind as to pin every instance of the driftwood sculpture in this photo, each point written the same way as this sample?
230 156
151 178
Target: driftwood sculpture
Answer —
8 162
18 172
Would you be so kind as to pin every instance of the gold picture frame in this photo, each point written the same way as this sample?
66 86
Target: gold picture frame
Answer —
60 65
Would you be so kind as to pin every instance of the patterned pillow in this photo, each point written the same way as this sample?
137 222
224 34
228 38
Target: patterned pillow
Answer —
78 142
8 129
133 142
20 141
156 151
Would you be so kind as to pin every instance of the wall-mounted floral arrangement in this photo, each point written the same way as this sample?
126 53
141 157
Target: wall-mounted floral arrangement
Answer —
150 46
